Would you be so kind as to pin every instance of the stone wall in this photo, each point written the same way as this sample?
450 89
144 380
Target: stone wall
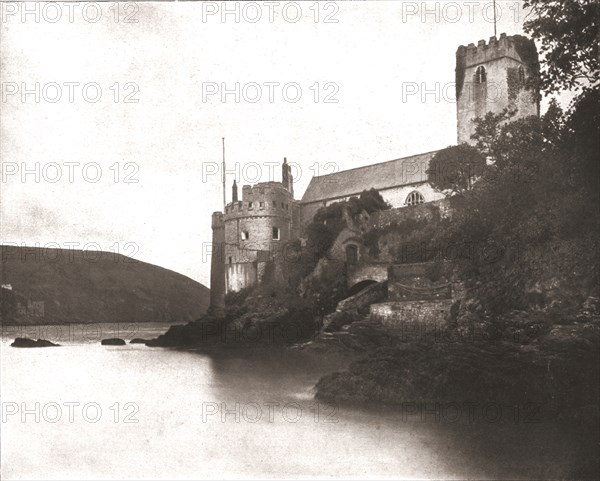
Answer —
402 315
384 218
408 282
395 196
241 275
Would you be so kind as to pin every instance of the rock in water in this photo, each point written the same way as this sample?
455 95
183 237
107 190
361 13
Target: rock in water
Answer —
26 342
138 340
114 341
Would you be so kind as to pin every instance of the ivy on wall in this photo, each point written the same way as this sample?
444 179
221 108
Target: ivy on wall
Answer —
513 82
461 65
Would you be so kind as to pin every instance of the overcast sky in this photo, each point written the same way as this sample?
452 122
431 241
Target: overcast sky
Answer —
132 166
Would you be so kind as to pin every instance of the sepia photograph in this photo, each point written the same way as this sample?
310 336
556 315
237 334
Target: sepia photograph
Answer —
246 240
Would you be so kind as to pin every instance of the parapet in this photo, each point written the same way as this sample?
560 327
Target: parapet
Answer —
217 220
517 47
263 199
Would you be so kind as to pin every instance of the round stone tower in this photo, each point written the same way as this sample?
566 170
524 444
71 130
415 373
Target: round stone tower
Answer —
255 228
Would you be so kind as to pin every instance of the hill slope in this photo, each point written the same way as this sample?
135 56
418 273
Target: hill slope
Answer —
60 285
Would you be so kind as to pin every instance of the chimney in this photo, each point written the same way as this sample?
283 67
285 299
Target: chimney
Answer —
234 192
286 177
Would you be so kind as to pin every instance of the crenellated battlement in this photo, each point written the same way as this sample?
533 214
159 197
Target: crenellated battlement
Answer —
513 46
263 199
217 220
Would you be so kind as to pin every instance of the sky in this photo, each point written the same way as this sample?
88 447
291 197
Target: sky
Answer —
113 114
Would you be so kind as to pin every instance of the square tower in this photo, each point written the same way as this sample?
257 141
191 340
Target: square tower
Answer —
494 76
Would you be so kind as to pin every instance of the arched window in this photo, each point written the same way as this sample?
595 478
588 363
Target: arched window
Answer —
414 198
351 254
480 75
521 74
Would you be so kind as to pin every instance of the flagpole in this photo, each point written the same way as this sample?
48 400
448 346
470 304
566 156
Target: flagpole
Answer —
224 184
494 18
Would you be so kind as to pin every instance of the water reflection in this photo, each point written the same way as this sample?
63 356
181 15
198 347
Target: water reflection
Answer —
237 414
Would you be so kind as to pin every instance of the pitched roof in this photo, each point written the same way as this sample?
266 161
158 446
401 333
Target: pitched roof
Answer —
393 173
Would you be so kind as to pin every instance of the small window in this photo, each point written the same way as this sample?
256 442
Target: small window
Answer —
521 74
261 205
250 205
480 75
414 198
230 260
276 233
245 235
351 254
275 203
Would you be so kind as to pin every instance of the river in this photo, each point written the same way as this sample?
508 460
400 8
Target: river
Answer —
86 411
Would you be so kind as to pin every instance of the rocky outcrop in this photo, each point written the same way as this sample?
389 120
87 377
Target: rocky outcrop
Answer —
26 342
259 321
336 320
357 338
523 358
114 341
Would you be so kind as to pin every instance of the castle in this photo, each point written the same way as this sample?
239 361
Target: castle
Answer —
253 232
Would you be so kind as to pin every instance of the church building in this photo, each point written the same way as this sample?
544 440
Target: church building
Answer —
490 77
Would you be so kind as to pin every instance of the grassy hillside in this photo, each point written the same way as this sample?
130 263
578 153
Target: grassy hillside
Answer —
59 285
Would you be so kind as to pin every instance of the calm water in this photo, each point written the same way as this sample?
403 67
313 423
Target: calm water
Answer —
155 413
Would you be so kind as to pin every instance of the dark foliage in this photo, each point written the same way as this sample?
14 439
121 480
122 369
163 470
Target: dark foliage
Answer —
455 168
568 31
329 221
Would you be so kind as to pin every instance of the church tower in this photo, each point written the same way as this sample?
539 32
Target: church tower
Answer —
494 76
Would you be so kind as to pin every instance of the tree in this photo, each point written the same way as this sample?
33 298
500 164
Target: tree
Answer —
568 32
455 168
487 130
582 134
509 143
532 218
